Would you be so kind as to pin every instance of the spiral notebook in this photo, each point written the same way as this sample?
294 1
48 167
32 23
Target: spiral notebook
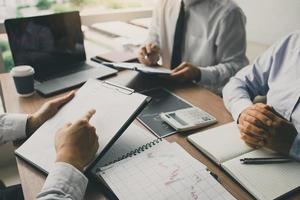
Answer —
160 170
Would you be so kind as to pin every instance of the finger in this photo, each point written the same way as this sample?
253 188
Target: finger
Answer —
89 115
96 146
267 111
180 74
58 102
277 113
252 145
143 57
148 48
180 67
245 117
251 140
68 124
143 51
94 140
91 128
144 61
260 115
262 105
154 48
254 131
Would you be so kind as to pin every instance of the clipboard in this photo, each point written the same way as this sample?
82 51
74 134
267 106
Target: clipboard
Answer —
116 107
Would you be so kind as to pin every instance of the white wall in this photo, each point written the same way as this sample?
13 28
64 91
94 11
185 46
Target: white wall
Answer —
269 20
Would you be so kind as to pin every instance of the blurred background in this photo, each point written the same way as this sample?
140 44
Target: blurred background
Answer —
122 24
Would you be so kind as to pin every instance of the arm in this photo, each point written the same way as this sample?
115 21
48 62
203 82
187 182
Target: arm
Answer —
64 182
149 53
153 34
20 126
230 54
230 50
261 125
12 127
76 145
251 81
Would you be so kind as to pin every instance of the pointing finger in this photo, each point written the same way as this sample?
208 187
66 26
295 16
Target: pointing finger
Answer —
180 67
58 102
89 115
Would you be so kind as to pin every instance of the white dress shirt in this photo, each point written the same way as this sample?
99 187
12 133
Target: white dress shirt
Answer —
215 37
275 74
63 182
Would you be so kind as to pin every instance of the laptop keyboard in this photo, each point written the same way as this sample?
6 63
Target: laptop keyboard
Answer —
78 68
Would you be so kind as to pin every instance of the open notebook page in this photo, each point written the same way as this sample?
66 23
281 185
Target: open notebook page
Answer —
221 143
164 171
267 181
113 109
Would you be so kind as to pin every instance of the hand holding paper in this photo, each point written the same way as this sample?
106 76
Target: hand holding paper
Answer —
47 111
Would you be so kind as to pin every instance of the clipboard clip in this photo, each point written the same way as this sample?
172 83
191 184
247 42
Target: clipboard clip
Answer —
118 88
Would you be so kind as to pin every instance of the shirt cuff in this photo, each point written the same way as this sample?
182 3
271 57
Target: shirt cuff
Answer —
238 107
17 126
64 181
295 149
206 75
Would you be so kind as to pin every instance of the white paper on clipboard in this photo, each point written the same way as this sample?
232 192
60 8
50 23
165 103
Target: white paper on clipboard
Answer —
116 107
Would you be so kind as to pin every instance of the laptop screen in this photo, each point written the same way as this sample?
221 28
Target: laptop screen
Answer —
51 44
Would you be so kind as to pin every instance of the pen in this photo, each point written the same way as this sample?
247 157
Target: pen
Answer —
269 160
147 56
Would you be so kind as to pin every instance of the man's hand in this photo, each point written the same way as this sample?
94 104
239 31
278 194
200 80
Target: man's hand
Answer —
186 72
77 143
149 54
253 126
261 125
48 110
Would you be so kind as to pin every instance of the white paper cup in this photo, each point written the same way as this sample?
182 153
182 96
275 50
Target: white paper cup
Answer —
23 78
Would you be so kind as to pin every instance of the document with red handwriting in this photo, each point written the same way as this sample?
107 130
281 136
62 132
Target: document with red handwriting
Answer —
164 171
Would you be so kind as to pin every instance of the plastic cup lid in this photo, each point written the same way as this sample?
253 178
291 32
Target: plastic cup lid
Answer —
22 70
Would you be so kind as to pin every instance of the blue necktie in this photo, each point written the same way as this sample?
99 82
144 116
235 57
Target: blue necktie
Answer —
178 38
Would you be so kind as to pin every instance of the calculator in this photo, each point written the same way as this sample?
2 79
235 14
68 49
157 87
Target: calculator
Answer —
188 119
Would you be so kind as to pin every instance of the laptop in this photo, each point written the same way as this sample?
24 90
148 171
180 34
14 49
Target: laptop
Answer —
53 45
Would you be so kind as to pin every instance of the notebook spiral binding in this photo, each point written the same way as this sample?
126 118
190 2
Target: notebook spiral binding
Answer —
133 152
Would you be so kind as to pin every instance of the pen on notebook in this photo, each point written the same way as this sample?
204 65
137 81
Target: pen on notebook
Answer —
269 160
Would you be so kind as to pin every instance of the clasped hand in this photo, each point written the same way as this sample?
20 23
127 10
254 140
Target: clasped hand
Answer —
261 126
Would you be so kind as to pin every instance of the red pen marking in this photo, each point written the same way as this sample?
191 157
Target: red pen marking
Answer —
163 165
193 193
198 179
173 181
173 177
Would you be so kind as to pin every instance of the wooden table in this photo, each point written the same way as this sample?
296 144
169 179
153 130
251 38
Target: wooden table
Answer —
32 180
